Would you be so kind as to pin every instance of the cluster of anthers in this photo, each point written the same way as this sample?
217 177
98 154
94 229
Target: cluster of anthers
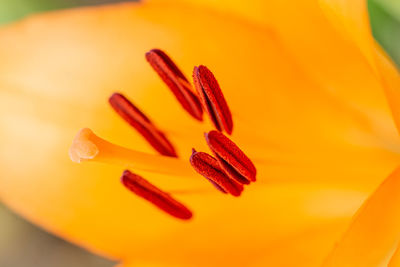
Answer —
229 170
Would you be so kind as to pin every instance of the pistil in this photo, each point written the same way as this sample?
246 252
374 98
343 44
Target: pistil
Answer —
87 146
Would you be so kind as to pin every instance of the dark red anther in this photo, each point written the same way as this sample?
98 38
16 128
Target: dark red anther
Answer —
161 199
231 158
208 167
219 188
142 124
212 99
176 81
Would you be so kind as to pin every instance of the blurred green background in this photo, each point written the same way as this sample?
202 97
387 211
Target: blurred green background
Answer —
385 23
23 245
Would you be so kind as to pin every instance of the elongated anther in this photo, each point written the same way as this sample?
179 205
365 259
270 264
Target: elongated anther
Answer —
176 81
208 167
231 158
212 99
159 198
217 186
132 115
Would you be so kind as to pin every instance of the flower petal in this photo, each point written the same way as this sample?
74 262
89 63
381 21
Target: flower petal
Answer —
317 45
373 235
351 18
395 259
56 74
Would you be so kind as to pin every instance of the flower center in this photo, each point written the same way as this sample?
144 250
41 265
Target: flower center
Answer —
228 171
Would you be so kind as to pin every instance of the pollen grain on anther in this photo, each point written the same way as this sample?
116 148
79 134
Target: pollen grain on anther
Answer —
134 117
208 167
231 158
212 99
176 82
159 198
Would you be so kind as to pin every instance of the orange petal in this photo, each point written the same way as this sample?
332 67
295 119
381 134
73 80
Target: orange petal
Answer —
351 19
373 235
57 71
395 260
317 45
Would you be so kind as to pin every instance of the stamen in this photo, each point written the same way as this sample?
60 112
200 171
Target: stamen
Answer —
132 115
161 199
212 99
219 188
208 167
231 158
176 81
87 146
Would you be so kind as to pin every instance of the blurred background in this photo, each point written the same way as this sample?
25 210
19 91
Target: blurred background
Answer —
24 245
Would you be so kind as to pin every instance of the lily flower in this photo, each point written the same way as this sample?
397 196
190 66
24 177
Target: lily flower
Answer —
314 104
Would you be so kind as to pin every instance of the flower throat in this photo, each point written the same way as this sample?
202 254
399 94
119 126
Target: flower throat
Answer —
228 170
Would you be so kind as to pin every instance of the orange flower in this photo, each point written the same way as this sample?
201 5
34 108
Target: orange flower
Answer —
305 82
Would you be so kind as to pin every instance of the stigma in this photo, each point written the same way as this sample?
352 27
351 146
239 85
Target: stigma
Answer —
228 169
